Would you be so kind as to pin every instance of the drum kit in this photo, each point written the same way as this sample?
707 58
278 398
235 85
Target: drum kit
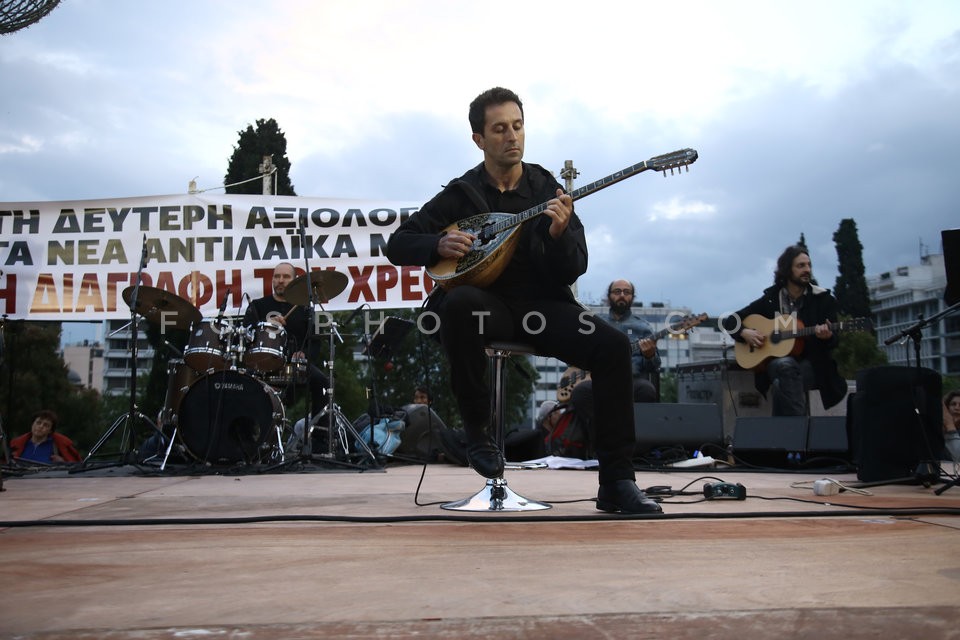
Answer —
223 398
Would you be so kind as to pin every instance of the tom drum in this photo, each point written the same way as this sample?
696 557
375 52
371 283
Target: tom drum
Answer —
265 352
208 346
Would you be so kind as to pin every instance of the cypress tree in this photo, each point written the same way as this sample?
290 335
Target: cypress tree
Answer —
851 286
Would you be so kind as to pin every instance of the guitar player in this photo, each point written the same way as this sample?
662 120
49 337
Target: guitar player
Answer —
790 377
645 361
529 301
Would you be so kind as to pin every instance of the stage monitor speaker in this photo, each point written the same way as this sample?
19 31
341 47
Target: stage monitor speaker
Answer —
666 424
827 436
951 265
770 441
897 422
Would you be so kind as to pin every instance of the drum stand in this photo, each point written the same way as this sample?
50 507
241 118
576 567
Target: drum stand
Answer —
126 421
337 423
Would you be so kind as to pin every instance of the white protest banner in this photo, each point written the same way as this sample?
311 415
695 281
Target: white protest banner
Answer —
71 260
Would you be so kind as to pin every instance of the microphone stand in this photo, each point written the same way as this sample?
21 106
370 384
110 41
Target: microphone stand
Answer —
373 407
927 470
127 420
307 449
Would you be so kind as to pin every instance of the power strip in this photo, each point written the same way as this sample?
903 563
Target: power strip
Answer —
690 463
724 491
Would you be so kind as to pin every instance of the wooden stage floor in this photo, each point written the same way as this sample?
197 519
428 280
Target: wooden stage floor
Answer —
118 555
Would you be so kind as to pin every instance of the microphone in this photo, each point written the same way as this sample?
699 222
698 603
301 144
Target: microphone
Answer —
354 314
143 254
223 306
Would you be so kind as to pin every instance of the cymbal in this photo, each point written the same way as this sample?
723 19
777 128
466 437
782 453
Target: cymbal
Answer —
162 307
325 284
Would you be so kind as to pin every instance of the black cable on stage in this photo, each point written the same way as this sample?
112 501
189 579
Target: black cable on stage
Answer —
512 518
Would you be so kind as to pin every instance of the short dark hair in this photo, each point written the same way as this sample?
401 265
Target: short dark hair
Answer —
633 289
785 264
425 391
489 98
46 414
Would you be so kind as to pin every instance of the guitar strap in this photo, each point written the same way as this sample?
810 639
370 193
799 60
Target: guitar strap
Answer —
474 195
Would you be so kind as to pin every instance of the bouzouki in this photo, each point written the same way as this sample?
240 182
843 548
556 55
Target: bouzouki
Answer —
497 232
574 376
784 337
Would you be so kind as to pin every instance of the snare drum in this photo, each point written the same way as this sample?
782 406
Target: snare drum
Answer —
267 344
208 346
292 373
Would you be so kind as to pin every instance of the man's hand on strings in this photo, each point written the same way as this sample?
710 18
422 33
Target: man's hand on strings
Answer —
560 209
455 244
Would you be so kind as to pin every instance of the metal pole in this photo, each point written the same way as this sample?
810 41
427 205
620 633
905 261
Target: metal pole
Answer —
266 170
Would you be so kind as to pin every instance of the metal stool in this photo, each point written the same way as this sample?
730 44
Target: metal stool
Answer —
496 495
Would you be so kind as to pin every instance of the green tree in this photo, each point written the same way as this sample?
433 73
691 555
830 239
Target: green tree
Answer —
266 140
857 351
851 286
668 386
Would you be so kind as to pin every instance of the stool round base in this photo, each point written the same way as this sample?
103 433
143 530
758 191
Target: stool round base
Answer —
496 496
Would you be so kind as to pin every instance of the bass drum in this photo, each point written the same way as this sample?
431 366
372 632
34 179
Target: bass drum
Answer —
228 416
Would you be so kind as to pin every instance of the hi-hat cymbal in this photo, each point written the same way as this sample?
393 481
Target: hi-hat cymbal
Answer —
162 307
325 284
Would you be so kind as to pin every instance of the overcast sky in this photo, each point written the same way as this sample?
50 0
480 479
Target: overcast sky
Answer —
803 113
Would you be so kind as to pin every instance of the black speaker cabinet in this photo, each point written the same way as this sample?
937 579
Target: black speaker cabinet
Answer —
687 426
770 441
827 436
897 421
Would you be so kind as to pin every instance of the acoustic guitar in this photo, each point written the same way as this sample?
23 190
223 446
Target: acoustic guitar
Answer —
784 337
497 233
574 376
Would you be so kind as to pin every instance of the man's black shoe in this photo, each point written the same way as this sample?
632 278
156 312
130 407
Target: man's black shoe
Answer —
486 459
624 496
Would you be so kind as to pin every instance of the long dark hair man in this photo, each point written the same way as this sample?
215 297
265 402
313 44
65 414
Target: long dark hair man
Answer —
791 377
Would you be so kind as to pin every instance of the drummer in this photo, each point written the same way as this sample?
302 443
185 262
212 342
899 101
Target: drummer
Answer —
276 310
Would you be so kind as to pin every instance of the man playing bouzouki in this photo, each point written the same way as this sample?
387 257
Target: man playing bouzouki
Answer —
530 301
791 376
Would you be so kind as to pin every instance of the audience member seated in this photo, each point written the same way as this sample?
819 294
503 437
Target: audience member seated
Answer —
43 444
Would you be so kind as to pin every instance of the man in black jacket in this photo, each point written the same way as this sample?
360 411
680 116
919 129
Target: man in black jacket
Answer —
530 301
790 377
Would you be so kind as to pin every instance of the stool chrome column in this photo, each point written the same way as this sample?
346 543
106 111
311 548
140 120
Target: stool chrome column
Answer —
496 495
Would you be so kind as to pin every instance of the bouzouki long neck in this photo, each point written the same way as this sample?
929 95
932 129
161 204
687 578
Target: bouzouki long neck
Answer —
675 160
